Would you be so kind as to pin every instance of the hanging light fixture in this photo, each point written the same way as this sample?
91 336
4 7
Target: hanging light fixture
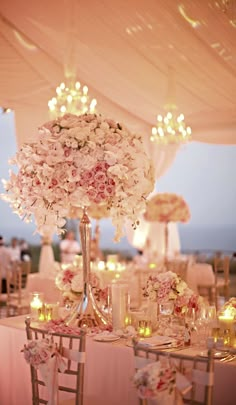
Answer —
71 98
171 128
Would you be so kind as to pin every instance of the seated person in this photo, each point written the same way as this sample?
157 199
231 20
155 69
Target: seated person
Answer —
69 248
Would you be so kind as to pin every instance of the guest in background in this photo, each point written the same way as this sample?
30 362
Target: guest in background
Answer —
5 264
95 251
14 250
69 247
25 253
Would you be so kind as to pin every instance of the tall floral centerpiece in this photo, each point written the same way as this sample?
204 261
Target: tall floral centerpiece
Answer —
79 160
167 207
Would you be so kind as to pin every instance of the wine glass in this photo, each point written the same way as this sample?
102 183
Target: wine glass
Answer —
166 310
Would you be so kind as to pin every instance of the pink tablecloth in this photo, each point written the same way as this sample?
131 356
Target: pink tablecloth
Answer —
108 372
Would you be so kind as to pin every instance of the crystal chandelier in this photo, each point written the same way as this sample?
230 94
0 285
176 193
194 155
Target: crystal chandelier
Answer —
71 98
171 129
228 7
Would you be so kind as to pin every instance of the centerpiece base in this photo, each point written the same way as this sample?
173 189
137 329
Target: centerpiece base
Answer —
86 313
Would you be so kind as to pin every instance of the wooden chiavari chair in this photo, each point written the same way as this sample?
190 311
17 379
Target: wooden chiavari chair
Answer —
72 349
197 370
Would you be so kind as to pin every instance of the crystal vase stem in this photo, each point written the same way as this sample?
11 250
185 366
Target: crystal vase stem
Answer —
86 313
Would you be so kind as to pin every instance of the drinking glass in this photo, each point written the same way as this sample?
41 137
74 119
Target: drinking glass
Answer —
166 310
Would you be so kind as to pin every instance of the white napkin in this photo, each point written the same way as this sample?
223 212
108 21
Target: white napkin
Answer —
156 341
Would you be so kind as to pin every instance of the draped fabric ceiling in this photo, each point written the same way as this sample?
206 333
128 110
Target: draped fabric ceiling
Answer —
122 50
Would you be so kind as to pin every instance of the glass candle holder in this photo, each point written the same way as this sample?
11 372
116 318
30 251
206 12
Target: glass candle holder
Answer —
51 311
36 304
144 328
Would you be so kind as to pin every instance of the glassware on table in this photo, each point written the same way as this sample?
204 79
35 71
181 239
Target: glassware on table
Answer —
36 304
203 326
166 310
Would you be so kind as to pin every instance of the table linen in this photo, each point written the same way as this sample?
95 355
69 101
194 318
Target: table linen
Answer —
109 369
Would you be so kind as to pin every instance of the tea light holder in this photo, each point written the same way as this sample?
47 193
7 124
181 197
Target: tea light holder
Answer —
36 304
226 319
144 328
48 312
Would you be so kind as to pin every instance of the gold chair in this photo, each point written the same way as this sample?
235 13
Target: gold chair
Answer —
72 349
221 269
17 299
221 282
178 266
3 297
198 372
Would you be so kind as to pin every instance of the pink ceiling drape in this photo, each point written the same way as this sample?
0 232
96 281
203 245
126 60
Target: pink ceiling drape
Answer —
121 51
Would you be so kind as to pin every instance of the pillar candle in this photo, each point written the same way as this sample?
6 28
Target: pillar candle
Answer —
119 294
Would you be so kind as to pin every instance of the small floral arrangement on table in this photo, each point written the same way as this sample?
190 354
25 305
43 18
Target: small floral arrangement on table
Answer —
69 280
168 286
167 207
38 352
154 379
78 160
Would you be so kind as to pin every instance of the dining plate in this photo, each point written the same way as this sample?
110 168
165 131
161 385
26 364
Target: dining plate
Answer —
156 341
216 355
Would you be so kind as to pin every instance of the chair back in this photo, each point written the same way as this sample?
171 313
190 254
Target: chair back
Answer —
179 267
198 372
221 268
72 349
16 281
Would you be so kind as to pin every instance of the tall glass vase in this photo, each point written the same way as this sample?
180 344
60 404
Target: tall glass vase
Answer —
86 312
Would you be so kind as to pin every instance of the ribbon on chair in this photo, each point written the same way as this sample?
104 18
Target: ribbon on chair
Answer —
49 374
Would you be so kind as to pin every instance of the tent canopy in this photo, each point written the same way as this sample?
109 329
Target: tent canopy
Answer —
122 49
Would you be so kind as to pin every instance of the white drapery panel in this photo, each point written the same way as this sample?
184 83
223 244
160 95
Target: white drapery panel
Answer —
122 51
154 232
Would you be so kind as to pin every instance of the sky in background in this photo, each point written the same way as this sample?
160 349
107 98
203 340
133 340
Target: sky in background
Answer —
203 174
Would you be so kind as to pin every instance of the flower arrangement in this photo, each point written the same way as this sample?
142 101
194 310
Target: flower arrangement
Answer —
167 207
69 280
78 160
38 352
155 378
168 286
98 211
95 211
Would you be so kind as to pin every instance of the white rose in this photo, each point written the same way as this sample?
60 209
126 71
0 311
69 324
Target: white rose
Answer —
77 283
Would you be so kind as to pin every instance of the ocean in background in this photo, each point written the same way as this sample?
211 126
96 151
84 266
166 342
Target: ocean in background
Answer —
192 237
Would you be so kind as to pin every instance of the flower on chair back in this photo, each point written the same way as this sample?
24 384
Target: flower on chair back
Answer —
38 352
78 161
155 378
